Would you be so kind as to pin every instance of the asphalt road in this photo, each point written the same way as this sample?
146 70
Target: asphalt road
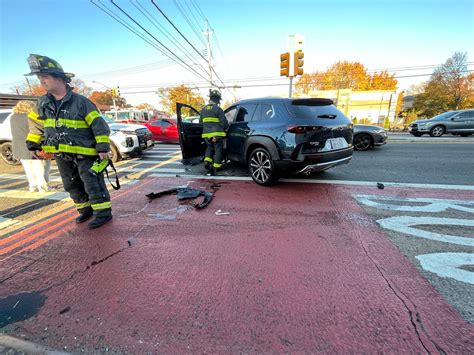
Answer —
426 163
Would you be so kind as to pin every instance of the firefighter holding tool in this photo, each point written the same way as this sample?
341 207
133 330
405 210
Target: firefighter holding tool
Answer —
69 126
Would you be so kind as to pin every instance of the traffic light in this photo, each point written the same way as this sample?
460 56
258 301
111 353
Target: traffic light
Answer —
117 91
113 92
298 63
285 64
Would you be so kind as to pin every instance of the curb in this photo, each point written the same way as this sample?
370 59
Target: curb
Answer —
11 345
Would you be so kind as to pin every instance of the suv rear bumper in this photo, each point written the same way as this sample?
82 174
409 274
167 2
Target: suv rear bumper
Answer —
316 162
323 166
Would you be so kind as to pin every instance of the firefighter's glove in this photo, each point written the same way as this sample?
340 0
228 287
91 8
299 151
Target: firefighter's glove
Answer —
103 155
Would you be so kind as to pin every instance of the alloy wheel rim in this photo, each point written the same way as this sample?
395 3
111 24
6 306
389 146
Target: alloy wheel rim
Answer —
437 131
8 154
362 143
261 167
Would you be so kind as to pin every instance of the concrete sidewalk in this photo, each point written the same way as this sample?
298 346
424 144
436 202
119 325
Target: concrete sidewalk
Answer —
294 268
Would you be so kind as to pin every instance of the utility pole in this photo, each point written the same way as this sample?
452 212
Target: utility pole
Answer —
209 53
29 85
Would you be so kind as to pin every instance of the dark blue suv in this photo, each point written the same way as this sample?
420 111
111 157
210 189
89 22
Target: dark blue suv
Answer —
275 135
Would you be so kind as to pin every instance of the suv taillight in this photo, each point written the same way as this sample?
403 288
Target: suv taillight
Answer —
302 129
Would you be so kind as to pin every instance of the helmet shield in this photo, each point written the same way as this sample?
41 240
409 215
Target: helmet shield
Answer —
40 64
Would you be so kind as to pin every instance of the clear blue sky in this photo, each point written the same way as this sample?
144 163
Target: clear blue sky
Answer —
251 35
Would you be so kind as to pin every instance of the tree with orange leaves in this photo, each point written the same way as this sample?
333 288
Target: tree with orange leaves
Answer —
346 75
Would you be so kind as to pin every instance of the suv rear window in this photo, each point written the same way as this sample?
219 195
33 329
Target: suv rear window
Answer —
313 108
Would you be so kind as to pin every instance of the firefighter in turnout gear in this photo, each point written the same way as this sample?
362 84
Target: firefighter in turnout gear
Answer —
70 126
214 125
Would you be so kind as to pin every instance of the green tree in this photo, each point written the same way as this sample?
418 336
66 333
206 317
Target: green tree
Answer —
183 94
450 88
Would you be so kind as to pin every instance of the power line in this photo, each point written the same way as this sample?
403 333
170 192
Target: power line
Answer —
184 37
169 51
271 85
199 11
188 20
166 33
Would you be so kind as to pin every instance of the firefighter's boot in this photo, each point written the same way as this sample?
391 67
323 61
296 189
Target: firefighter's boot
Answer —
99 221
84 215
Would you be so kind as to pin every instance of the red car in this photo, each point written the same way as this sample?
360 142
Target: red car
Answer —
163 130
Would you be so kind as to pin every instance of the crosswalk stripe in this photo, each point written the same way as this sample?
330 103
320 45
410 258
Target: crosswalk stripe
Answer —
57 195
7 222
23 177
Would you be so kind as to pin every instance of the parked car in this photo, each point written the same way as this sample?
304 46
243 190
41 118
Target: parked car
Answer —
459 122
275 135
164 130
367 136
6 137
128 139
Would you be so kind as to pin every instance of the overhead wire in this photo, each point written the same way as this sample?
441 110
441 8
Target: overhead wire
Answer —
282 84
184 37
158 41
192 15
188 20
166 33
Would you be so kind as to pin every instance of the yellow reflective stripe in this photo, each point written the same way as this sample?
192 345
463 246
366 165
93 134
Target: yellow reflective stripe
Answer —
50 122
213 134
64 122
35 138
65 148
210 119
215 165
91 117
50 149
72 123
82 205
34 116
102 139
208 159
101 206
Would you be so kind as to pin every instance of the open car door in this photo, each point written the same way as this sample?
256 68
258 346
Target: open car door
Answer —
189 131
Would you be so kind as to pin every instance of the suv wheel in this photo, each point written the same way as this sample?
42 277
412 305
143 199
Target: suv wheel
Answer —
437 131
114 154
7 154
261 167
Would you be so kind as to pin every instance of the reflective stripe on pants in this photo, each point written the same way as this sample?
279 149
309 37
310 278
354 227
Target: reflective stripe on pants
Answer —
86 189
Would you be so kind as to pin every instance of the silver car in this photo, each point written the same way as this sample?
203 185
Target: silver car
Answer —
456 122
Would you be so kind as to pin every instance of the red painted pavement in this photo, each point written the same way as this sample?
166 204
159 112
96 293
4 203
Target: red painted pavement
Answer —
292 268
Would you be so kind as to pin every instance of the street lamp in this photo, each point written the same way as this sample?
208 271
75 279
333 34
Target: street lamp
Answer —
113 97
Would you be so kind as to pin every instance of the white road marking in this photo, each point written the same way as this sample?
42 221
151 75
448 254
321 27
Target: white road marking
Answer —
404 224
429 204
7 222
447 265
